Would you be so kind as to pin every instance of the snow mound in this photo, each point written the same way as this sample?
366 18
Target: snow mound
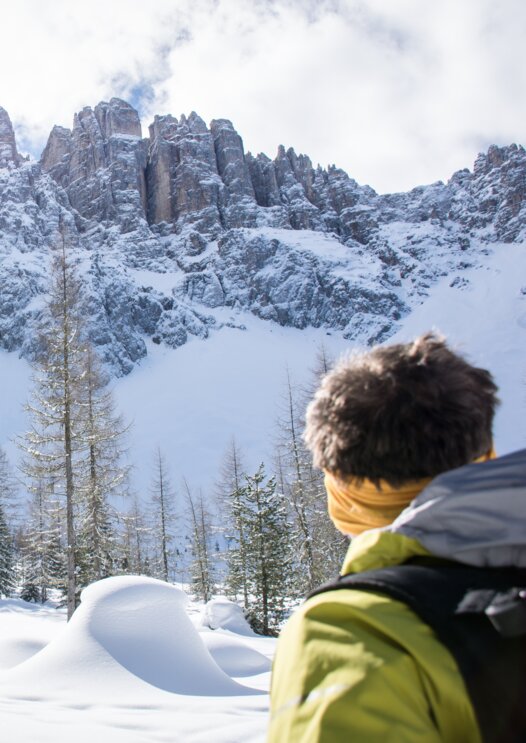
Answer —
15 650
234 656
130 636
220 613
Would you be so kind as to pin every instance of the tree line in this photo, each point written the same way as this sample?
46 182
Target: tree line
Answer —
262 538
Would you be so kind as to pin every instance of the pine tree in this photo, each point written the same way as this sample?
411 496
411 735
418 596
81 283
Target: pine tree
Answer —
268 552
164 517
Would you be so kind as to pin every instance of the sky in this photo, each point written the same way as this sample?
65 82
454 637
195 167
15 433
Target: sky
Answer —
396 92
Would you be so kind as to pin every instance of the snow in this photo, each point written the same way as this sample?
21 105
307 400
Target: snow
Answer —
220 613
139 662
192 401
484 317
163 282
131 665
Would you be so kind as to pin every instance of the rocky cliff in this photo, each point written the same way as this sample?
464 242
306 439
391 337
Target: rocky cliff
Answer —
182 231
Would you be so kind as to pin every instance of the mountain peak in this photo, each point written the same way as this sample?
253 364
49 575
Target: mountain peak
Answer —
9 156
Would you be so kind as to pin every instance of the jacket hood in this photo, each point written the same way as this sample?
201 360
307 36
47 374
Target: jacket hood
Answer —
475 514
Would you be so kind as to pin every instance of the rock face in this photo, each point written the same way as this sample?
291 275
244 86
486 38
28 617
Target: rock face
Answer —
178 231
183 183
101 163
8 152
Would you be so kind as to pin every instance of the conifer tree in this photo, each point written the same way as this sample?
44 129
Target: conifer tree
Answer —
230 494
101 473
318 547
8 492
134 555
164 517
7 526
295 476
57 423
269 554
75 437
43 555
6 557
201 567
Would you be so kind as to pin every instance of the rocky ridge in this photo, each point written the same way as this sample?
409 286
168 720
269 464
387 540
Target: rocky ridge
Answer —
182 231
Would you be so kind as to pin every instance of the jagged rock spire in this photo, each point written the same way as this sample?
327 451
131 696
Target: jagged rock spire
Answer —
9 156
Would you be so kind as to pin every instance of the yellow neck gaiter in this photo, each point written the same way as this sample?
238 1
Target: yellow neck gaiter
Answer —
355 508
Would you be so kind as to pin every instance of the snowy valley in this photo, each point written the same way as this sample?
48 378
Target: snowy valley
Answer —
209 277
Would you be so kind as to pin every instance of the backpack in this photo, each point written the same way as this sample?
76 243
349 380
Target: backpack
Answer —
479 614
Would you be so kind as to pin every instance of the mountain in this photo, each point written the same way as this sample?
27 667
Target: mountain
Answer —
182 233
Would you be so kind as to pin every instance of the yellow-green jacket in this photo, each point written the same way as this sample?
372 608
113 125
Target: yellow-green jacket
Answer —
358 666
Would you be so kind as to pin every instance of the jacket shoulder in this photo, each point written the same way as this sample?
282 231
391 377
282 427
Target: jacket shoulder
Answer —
361 663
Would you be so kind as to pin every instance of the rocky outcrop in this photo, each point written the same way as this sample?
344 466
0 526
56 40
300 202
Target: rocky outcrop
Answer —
184 186
9 156
101 164
494 195
178 231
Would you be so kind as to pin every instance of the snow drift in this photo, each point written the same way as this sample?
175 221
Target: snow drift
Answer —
128 633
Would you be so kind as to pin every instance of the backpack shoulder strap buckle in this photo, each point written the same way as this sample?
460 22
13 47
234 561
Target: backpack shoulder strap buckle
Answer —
506 610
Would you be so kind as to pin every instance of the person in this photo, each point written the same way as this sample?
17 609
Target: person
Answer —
357 664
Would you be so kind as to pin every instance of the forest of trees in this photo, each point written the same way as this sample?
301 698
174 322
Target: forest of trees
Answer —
262 538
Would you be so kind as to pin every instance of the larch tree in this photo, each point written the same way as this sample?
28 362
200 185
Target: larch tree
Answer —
294 474
6 556
57 431
136 532
163 518
230 495
8 509
43 558
75 440
318 547
201 529
101 473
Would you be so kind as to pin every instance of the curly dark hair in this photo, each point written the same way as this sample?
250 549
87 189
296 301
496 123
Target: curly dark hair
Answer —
401 412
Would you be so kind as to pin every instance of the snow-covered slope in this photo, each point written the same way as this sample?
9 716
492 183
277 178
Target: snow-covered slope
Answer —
208 273
130 666
192 400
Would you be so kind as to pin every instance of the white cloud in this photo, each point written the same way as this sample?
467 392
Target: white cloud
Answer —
397 93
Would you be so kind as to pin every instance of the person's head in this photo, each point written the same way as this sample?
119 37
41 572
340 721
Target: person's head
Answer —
400 413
